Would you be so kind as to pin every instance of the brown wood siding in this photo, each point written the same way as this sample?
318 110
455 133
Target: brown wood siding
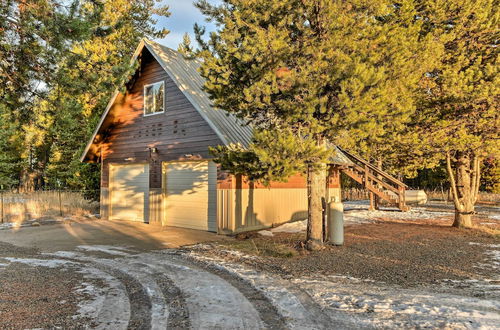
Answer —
177 133
227 181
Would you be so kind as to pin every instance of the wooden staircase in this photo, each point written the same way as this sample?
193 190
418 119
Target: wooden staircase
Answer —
378 182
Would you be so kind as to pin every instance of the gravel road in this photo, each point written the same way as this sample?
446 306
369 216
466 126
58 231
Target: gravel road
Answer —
120 288
114 287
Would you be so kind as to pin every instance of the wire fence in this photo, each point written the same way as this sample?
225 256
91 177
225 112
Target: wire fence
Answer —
443 195
23 206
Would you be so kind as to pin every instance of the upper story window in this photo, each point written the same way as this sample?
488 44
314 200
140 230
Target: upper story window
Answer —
154 98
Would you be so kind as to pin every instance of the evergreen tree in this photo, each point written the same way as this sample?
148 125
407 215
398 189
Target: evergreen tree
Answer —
490 179
458 119
87 79
309 73
83 50
34 37
10 146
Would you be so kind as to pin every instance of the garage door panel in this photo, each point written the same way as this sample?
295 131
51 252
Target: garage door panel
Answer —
129 188
193 202
174 208
187 186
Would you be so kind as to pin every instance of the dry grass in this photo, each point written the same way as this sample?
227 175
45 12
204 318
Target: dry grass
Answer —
484 197
19 207
255 244
494 232
406 254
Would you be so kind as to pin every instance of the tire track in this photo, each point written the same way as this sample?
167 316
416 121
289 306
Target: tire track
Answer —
172 301
267 311
178 317
140 304
212 301
111 308
295 307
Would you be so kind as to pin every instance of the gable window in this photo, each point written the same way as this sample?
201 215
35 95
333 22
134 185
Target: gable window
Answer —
154 98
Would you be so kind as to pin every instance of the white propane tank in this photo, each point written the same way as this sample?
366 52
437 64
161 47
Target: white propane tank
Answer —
336 222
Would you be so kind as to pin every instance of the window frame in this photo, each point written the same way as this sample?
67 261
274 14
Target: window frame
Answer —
154 100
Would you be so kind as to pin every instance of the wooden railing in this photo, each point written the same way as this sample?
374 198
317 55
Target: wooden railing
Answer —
378 182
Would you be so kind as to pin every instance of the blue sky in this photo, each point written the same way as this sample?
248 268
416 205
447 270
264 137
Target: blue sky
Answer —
182 18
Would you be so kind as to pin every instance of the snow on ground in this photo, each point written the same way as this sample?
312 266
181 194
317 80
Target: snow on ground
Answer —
277 291
212 302
359 209
383 306
113 250
355 303
342 301
356 212
15 225
52 263
107 304
493 255
31 223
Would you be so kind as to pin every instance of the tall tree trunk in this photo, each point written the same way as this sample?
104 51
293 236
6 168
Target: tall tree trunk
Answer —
465 181
316 192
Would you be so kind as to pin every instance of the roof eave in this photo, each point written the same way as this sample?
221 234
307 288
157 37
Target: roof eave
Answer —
110 104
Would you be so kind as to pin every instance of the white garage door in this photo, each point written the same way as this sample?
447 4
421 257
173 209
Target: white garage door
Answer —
129 188
191 193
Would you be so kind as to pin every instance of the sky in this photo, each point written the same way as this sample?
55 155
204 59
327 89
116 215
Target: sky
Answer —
182 18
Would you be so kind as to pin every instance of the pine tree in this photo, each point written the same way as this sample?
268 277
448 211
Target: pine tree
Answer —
458 118
10 146
54 124
34 37
306 74
87 79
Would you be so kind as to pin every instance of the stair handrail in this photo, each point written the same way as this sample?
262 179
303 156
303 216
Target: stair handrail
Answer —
373 168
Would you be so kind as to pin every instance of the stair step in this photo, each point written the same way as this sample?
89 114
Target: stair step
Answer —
363 175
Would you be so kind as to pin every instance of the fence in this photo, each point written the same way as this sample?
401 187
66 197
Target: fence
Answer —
19 207
445 195
355 194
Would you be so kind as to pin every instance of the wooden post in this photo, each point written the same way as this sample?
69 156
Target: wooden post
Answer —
1 197
372 200
401 199
445 198
60 203
367 187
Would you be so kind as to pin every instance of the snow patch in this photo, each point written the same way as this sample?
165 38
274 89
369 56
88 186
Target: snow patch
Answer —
356 212
287 303
108 305
495 216
50 263
113 250
394 307
359 303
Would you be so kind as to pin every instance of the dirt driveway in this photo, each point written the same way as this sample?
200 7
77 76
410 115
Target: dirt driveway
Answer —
109 275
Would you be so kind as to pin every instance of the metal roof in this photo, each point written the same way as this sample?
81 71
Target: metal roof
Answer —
228 127
339 158
184 72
